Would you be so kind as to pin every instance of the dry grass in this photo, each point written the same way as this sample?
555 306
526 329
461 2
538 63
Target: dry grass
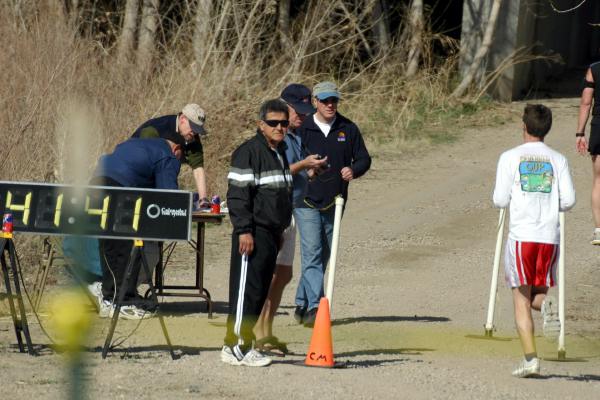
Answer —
62 87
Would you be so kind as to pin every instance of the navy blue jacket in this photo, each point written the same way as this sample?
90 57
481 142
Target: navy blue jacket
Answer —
344 147
165 127
142 163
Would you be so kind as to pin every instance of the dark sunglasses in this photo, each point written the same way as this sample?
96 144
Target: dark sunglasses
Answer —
332 100
274 122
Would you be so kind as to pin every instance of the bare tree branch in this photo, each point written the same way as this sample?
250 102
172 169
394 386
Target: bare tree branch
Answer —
283 22
481 52
565 11
202 29
380 25
416 37
125 43
147 34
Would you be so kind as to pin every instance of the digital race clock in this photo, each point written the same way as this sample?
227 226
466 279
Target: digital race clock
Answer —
98 211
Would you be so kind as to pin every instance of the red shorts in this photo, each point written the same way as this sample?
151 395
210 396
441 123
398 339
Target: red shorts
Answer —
530 263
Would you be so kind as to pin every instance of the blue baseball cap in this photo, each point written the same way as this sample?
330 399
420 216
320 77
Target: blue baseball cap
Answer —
324 90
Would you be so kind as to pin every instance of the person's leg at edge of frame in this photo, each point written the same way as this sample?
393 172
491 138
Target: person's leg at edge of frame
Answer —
596 199
529 366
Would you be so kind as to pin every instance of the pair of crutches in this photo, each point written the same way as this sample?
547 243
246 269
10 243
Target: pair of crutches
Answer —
489 324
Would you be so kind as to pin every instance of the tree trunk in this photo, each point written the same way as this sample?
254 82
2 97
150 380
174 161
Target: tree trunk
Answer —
481 52
283 22
380 26
416 37
202 37
147 34
241 38
125 44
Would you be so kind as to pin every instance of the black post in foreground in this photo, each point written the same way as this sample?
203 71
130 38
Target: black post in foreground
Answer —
19 320
137 252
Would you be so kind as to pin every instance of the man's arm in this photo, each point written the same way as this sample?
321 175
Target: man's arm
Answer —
194 156
200 178
504 181
361 160
585 104
240 198
566 191
310 162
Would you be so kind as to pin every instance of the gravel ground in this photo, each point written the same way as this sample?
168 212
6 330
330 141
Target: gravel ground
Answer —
410 301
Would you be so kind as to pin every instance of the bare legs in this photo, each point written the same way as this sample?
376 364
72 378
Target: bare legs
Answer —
264 325
525 298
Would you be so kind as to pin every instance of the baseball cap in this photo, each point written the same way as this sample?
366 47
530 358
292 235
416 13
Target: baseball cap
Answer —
323 90
196 117
298 97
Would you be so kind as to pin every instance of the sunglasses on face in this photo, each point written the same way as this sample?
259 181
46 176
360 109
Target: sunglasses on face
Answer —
274 122
332 100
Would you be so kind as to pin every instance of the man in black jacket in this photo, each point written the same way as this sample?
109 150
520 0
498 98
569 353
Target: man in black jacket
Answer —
259 198
328 134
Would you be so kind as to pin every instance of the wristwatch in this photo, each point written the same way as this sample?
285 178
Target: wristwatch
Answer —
580 134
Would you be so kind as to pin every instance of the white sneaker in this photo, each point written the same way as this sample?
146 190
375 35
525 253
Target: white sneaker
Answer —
105 309
527 368
550 316
228 357
95 290
131 312
255 358
595 238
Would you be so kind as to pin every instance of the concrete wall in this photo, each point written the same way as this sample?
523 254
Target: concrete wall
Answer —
475 17
531 27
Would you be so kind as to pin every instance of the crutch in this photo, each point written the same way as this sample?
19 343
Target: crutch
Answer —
562 353
489 324
339 205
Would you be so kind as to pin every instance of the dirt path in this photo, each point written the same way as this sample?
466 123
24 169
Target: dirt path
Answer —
414 270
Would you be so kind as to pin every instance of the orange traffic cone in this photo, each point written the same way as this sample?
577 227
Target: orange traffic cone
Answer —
320 351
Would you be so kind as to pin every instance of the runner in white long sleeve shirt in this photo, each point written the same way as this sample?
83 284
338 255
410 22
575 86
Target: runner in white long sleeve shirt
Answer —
534 181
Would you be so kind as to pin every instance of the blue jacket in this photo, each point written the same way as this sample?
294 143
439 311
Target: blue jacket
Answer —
344 147
295 152
142 163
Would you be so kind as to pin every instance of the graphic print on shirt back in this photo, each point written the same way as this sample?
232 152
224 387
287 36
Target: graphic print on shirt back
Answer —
536 174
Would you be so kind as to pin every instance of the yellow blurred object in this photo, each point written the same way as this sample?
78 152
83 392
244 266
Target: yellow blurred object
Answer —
70 318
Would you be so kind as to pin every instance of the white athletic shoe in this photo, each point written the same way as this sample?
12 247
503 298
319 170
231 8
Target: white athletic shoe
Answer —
550 317
95 290
595 238
255 358
527 368
228 357
105 309
131 312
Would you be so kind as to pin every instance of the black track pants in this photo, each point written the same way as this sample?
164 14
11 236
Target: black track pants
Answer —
249 281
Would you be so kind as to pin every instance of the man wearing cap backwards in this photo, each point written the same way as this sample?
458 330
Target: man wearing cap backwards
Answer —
184 129
331 135
298 100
